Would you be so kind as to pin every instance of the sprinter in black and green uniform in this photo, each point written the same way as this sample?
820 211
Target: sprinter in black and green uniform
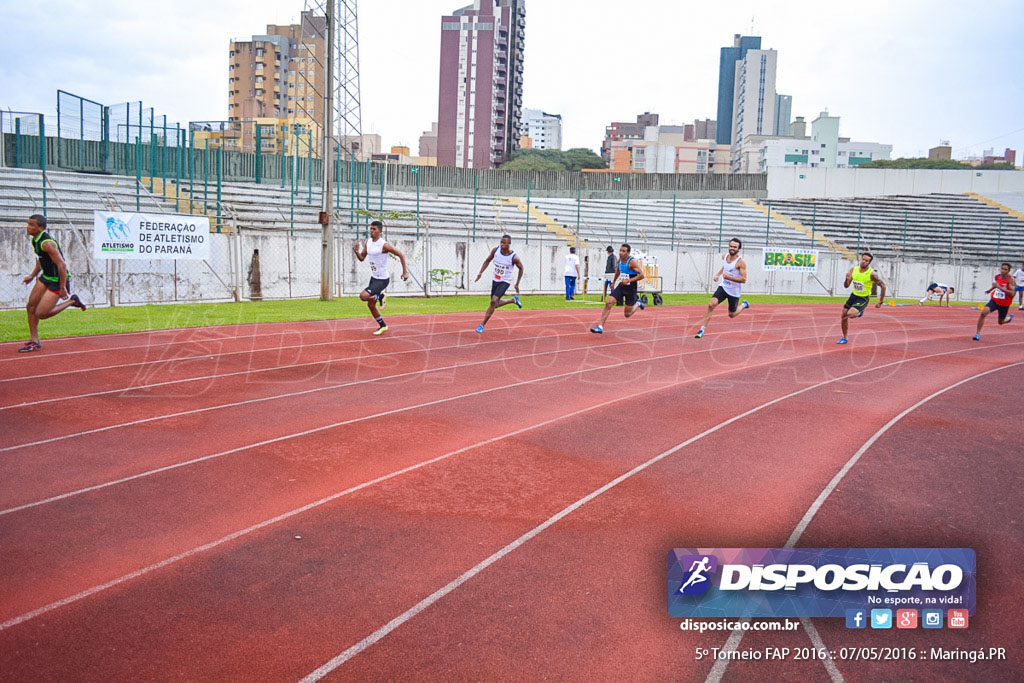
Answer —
862 278
52 285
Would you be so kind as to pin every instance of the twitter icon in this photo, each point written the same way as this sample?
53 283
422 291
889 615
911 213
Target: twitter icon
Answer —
881 618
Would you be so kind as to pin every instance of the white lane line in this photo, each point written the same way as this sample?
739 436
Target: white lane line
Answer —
437 595
243 532
372 416
720 665
269 349
260 525
382 378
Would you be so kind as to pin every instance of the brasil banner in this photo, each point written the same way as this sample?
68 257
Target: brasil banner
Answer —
119 235
805 260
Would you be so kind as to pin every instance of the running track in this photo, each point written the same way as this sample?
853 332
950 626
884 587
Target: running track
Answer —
289 501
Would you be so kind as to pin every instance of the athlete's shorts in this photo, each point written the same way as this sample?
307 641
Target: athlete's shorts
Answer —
624 294
720 295
996 308
498 288
933 286
54 285
858 302
1020 288
377 285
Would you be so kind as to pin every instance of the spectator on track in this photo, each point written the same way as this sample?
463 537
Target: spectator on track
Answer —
609 271
53 283
862 278
625 291
937 288
504 260
377 249
1002 299
572 272
733 273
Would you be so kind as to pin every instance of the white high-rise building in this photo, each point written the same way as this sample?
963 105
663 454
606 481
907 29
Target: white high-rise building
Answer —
753 99
545 130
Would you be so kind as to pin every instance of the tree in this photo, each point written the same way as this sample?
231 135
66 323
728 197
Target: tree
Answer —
934 164
553 160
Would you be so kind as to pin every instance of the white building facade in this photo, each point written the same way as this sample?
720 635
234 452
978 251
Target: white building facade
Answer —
753 99
544 129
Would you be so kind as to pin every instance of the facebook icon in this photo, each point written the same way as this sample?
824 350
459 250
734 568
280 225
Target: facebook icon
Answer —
856 618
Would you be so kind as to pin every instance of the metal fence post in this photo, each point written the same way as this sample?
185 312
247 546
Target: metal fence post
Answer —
626 237
220 156
721 219
366 218
999 237
814 223
952 225
59 159
81 132
337 178
138 169
767 225
42 158
578 197
673 242
527 211
860 214
309 165
903 251
476 183
259 153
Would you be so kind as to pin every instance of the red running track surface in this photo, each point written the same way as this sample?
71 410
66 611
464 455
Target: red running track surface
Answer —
271 501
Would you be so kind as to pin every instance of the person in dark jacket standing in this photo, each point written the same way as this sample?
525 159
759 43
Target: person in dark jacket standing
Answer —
610 268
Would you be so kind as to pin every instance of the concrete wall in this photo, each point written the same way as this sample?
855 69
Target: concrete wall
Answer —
290 268
788 183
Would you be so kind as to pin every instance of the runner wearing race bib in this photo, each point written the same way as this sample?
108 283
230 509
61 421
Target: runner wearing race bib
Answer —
1002 297
376 249
52 284
937 288
860 278
733 273
504 261
625 290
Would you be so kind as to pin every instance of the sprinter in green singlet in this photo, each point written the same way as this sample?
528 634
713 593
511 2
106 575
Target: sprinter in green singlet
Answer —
861 277
52 285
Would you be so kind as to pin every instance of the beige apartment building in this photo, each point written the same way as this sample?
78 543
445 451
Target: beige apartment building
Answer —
277 77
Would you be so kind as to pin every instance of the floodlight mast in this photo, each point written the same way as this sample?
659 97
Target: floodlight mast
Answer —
327 252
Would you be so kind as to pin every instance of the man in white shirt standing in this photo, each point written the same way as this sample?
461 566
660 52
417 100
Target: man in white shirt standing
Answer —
1018 275
572 271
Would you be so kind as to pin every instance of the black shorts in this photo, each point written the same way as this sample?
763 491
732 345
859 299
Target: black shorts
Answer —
624 294
377 285
933 286
54 285
734 301
498 288
858 302
996 308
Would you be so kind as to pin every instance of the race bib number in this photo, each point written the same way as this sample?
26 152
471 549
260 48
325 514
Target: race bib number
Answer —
373 269
500 271
858 286
998 294
624 279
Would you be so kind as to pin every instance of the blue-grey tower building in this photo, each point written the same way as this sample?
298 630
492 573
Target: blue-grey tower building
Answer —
727 82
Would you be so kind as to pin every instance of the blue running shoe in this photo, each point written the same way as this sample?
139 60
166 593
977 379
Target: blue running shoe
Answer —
516 299
843 341
597 330
746 304
479 329
700 334
976 337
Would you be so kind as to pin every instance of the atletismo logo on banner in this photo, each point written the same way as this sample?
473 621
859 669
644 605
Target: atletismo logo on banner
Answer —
816 582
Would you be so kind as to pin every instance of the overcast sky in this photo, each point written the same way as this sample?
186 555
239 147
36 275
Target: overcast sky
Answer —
909 73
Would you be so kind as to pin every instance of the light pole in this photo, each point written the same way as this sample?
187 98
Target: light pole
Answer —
618 179
416 172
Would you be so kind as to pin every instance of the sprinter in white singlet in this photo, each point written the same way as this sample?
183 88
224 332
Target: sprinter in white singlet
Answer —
376 249
505 260
733 273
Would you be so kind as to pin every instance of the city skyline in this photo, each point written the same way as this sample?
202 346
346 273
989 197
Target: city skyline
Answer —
910 75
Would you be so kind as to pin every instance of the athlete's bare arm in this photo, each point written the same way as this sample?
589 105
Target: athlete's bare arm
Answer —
32 276
635 265
388 249
881 286
487 260
849 279
740 266
519 265
359 249
718 274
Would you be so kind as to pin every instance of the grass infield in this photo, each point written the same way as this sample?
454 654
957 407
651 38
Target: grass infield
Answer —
106 320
